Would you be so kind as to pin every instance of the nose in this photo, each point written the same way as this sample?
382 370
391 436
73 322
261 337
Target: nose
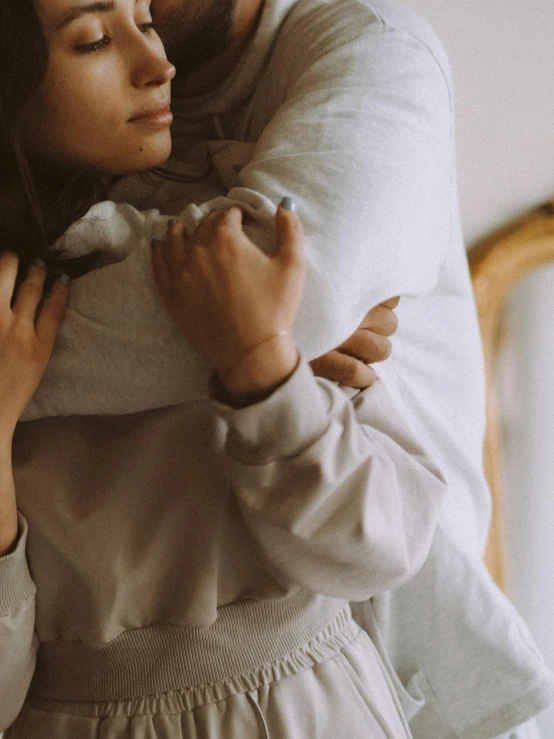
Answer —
150 66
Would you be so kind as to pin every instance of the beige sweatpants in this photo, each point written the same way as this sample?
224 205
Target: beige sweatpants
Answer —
334 688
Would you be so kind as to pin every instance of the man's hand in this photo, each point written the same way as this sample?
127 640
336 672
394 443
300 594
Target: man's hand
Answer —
348 363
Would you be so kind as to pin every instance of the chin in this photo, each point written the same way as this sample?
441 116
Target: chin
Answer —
145 156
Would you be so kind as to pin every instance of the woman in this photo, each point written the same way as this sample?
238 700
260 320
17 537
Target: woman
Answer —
204 592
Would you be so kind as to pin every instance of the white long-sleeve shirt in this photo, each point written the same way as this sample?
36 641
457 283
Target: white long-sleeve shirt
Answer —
347 106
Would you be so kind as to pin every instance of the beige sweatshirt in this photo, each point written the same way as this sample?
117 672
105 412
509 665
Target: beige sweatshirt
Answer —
346 105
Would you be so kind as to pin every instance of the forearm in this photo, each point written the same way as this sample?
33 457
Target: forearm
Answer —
338 494
8 506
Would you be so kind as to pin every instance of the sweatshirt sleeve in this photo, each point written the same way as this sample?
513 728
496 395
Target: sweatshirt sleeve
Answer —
356 125
336 492
18 642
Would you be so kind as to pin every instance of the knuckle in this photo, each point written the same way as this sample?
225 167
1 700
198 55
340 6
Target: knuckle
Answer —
231 213
369 376
222 232
350 372
225 239
21 341
386 348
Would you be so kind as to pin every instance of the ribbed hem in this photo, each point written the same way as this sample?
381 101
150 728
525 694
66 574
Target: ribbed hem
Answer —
246 637
16 584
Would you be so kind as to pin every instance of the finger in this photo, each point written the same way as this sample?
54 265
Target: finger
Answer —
30 293
227 231
391 303
8 275
175 247
344 369
204 229
380 320
160 270
53 311
229 219
367 346
290 234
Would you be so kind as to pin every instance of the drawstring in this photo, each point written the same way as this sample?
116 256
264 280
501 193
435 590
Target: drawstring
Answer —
258 710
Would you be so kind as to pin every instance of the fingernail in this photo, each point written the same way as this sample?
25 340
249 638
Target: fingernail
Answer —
288 203
64 278
155 243
38 262
171 222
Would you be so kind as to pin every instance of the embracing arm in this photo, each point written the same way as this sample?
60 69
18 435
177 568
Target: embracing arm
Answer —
356 124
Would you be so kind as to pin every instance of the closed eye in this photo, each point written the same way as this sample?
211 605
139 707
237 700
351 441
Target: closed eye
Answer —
144 27
94 46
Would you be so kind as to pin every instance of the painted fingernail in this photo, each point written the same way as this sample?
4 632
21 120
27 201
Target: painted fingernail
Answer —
155 243
171 222
64 278
38 262
287 203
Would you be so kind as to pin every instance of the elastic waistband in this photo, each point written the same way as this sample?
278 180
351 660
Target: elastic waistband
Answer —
246 637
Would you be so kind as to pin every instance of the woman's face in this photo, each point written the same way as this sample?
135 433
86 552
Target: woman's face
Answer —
104 103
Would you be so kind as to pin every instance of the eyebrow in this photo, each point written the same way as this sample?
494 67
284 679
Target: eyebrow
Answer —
78 11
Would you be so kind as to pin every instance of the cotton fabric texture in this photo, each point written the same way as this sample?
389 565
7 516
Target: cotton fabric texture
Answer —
347 106
336 670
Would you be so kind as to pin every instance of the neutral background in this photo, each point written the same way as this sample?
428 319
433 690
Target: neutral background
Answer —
502 58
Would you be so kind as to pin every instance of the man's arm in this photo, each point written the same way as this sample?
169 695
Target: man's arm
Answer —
353 120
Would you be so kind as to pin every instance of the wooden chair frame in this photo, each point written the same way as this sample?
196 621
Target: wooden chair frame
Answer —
496 264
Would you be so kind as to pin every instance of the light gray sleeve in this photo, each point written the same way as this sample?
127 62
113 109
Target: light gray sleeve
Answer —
528 730
18 642
337 493
362 139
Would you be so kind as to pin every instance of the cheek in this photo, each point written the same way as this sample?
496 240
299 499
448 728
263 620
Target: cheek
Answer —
81 119
74 117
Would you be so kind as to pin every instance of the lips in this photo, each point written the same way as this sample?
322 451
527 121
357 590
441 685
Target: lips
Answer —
156 117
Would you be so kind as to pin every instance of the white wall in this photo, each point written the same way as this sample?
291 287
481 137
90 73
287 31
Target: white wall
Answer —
502 57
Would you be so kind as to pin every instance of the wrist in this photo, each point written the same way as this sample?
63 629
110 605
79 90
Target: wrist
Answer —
260 372
8 504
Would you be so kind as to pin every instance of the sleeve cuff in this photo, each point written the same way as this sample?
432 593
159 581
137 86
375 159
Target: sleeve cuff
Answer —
16 584
282 425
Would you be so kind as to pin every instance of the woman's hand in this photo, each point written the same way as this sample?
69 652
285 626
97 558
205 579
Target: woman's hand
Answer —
232 302
26 339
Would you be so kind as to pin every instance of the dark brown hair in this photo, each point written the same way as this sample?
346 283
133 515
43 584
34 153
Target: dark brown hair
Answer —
38 199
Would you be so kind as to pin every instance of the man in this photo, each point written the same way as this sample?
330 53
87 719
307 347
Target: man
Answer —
274 74
346 105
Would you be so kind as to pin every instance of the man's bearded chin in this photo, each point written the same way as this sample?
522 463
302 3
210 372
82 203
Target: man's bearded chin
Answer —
194 36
